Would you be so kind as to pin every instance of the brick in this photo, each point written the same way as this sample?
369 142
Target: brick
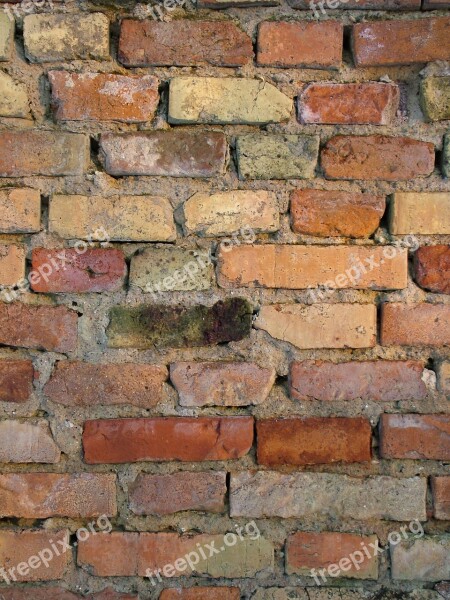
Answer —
441 497
378 381
168 494
172 153
286 156
300 44
335 593
119 218
160 326
167 438
420 212
13 98
221 383
63 37
313 441
329 213
225 213
370 103
39 593
27 443
20 210
6 36
103 97
377 157
435 98
115 553
85 384
18 547
77 270
183 43
309 550
445 163
201 593
50 153
401 42
12 264
300 267
45 495
415 436
444 377
16 380
312 495
435 4
421 559
360 5
415 324
226 100
320 325
158 270
432 268
52 328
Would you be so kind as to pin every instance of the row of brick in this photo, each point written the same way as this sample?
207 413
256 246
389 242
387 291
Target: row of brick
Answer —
74 383
320 325
63 37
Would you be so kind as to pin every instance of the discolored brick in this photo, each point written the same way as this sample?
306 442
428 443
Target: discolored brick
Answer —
415 436
201 593
6 36
13 98
20 210
420 212
12 264
422 559
435 98
27 443
441 497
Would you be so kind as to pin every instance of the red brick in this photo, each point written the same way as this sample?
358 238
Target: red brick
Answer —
183 43
379 381
415 436
167 438
300 44
173 153
377 157
201 593
313 440
16 380
52 328
76 270
45 495
441 497
401 42
415 324
85 384
115 553
432 268
168 494
329 213
104 97
17 548
25 153
308 550
370 103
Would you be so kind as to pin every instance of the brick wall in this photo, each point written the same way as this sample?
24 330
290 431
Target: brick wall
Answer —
224 314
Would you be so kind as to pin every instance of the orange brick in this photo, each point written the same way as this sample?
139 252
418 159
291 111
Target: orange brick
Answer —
12 264
415 324
20 210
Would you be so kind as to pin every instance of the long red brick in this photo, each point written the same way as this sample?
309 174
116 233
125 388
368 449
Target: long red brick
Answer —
415 324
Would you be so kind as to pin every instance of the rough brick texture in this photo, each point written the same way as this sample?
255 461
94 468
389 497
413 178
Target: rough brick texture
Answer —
415 436
432 268
426 559
415 324
421 213
27 442
20 211
441 497
12 264
16 380
199 593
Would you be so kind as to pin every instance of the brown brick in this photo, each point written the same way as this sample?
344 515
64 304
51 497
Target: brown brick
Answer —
17 548
401 42
167 438
20 211
27 443
168 494
52 328
16 380
12 264
313 441
329 213
308 550
432 268
183 43
443 373
370 103
415 324
379 381
174 153
301 267
201 593
44 495
300 44
377 157
441 497
221 383
104 97
415 436
51 153
86 384
77 270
